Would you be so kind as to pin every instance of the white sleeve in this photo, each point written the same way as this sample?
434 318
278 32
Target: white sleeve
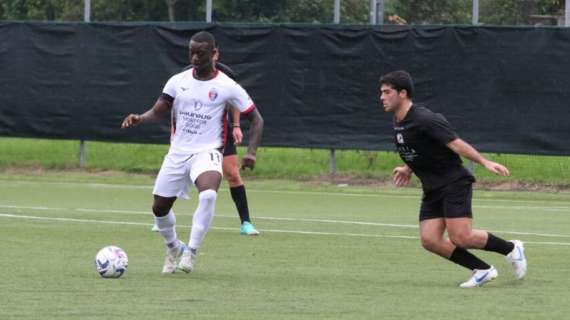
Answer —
170 86
240 99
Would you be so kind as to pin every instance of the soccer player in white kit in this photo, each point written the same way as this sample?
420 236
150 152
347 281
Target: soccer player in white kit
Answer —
196 99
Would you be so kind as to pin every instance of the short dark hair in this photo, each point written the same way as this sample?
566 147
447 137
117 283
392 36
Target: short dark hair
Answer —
399 80
204 36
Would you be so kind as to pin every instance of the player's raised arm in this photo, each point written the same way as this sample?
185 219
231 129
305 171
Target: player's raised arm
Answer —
160 107
464 149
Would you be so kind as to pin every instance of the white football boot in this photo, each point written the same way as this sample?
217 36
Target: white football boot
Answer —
172 256
517 259
480 277
186 263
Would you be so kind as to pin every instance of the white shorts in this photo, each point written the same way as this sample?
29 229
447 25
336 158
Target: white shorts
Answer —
178 172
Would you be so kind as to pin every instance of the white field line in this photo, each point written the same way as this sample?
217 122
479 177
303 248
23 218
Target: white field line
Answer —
361 235
364 235
565 204
331 221
538 208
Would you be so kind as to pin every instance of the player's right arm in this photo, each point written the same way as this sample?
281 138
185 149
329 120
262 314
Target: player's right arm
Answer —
401 175
255 132
162 105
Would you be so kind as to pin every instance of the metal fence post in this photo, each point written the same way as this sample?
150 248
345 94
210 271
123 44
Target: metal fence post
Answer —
86 18
86 10
471 167
208 11
82 154
379 11
475 13
567 13
333 162
372 13
337 11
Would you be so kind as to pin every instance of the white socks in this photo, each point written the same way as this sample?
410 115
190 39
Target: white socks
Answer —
201 221
167 228
203 217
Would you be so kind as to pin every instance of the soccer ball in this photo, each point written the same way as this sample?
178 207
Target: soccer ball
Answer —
111 262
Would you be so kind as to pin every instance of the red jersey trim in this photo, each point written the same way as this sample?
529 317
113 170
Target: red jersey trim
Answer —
225 130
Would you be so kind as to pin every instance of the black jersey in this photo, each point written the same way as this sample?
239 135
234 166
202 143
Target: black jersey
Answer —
421 139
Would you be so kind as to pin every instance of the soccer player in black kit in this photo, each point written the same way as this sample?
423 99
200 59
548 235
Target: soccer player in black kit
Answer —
431 150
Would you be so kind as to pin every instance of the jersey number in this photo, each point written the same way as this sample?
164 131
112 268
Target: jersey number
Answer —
215 157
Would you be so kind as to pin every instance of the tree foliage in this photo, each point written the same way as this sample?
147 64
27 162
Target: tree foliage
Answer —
248 10
432 12
501 12
504 12
41 10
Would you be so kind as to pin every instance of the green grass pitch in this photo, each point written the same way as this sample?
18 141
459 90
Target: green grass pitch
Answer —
323 253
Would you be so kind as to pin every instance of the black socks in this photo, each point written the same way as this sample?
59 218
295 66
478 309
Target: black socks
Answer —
240 199
498 245
466 259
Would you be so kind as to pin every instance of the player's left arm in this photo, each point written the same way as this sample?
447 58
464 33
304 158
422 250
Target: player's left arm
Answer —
242 101
465 150
236 130
255 130
255 133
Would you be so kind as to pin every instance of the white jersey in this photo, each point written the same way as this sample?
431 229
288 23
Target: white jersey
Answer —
198 110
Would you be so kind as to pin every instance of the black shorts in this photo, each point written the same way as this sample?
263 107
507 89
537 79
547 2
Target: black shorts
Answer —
451 201
230 148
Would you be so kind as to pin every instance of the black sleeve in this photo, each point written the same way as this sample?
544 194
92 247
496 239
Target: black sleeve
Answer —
166 97
438 128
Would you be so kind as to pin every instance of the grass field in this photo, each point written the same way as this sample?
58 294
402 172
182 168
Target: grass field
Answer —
284 163
324 253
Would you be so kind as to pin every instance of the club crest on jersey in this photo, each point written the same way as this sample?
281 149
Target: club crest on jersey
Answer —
400 138
213 94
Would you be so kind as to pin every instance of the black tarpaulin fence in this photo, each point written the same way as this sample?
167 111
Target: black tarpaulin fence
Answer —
505 89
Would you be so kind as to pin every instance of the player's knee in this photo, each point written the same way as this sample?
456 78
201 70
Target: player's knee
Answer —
232 176
460 239
160 210
208 196
429 244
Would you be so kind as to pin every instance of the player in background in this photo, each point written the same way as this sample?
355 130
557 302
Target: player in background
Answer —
430 149
197 99
230 165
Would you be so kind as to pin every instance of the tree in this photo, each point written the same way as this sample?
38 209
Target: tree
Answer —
248 10
431 12
508 12
501 12
354 12
63 10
